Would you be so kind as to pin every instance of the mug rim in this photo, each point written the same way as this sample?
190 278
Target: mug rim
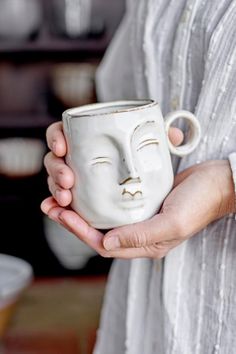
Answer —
139 104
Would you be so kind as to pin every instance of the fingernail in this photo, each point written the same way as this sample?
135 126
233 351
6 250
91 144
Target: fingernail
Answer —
53 215
54 146
60 218
58 195
112 243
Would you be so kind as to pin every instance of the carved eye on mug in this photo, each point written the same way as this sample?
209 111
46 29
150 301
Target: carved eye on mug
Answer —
103 160
147 142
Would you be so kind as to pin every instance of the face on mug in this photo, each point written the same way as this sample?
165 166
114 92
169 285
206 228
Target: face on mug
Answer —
122 166
120 155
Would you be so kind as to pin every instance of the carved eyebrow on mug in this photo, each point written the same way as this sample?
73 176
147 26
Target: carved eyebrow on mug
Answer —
145 128
100 160
143 125
147 142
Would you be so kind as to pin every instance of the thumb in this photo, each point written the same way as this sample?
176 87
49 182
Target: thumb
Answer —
162 227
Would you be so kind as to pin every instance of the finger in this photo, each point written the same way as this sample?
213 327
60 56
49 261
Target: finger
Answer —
176 136
50 207
54 214
162 227
80 229
62 196
92 237
56 140
59 171
156 250
47 204
142 252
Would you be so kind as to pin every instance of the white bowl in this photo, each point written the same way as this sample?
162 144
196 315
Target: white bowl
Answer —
15 275
73 84
69 250
71 17
21 157
19 18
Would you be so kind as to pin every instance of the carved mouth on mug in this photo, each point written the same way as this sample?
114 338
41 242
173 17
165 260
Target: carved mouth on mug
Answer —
132 199
127 195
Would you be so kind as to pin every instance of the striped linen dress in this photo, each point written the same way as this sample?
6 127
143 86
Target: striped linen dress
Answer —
183 54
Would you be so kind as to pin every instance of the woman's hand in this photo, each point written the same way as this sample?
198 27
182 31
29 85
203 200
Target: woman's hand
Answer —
60 176
201 194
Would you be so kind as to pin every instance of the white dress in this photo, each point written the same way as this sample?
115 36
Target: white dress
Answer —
183 54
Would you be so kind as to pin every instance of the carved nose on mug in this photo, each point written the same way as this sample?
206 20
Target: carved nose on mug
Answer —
130 180
128 171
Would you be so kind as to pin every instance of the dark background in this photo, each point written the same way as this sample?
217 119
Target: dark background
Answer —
27 106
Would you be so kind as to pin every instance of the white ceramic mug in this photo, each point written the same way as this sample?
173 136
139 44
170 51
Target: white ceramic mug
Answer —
120 155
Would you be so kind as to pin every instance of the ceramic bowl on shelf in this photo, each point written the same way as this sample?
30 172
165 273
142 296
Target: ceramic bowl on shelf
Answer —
22 88
19 19
15 275
68 249
71 18
73 84
21 157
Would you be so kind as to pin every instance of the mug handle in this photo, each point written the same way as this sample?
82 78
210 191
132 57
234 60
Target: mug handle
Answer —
194 134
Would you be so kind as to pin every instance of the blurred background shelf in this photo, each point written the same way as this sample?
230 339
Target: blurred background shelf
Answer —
48 49
50 36
44 69
25 121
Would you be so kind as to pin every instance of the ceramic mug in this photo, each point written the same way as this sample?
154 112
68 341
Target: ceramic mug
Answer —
120 155
71 17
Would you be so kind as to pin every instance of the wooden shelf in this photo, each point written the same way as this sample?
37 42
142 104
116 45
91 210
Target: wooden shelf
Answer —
57 48
89 45
23 121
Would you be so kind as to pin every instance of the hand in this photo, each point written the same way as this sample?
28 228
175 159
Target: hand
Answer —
61 177
201 194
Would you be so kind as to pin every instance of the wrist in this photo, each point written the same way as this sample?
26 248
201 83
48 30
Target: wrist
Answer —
221 176
226 185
